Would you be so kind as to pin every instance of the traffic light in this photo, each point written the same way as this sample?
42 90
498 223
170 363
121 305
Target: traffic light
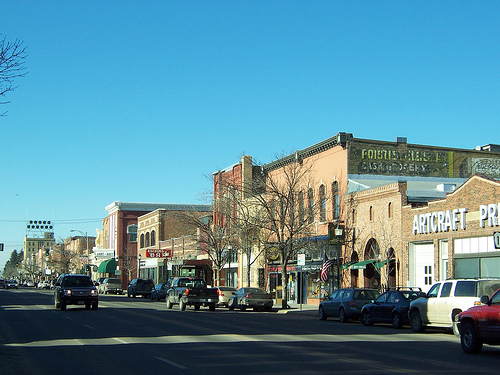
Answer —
1 246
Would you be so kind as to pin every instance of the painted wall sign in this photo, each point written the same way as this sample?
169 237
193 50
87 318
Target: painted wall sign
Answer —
455 219
158 253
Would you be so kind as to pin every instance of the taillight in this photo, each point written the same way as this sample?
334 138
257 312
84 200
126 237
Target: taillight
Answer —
186 292
221 293
248 296
352 303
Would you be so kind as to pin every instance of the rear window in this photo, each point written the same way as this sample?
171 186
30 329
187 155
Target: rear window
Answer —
466 289
488 287
365 294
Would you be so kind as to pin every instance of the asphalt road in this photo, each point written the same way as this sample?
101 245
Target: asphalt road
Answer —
138 336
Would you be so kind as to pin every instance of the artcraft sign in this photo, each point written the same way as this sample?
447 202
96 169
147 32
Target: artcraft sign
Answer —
158 253
455 219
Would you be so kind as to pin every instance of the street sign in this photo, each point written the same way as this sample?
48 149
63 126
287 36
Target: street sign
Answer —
301 259
496 239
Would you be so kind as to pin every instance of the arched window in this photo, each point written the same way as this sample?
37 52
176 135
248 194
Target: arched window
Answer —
301 207
335 200
153 238
389 210
322 199
310 213
142 240
147 239
371 213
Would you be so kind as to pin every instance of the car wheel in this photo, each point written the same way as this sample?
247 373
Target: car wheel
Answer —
211 307
416 322
196 307
57 305
87 305
169 304
231 308
63 305
469 340
182 305
365 318
95 305
342 316
397 322
322 314
243 308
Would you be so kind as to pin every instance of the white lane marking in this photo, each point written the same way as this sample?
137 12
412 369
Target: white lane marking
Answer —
230 338
172 363
89 326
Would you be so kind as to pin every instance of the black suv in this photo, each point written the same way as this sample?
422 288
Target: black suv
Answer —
140 287
75 290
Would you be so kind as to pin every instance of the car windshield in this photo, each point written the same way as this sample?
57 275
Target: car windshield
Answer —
77 281
253 290
411 295
488 287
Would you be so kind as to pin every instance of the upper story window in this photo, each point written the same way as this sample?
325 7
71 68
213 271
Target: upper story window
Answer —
389 210
147 239
153 238
142 240
132 233
322 199
335 200
301 207
310 213
371 213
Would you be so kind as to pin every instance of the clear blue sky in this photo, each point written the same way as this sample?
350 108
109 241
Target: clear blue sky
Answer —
140 100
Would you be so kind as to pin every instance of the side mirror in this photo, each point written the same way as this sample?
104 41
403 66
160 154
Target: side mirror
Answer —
485 300
423 295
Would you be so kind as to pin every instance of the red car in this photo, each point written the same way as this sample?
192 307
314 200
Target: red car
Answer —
480 324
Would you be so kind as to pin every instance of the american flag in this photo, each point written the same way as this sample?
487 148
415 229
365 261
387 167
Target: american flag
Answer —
327 263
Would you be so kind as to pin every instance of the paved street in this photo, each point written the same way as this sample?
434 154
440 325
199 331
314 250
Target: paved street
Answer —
134 336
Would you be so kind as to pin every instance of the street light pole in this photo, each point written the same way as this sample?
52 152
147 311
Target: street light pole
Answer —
87 269
338 233
139 266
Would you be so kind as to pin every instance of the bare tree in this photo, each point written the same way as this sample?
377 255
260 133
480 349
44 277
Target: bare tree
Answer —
12 59
129 263
286 198
214 238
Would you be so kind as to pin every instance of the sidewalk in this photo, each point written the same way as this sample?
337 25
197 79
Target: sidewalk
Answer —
298 308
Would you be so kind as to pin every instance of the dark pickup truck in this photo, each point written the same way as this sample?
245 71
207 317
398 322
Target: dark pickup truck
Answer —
188 291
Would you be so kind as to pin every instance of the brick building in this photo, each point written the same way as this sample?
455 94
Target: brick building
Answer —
454 237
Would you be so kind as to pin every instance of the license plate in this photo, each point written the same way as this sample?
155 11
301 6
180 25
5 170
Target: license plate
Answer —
81 302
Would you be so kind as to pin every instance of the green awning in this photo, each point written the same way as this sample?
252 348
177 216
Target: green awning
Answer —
347 265
362 265
382 263
108 266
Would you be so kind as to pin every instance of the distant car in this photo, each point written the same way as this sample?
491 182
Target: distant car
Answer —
390 307
255 298
111 285
2 283
75 290
446 299
140 287
29 283
11 284
159 292
346 303
43 285
480 324
225 293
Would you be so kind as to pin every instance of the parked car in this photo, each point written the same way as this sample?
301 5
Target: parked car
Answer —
346 303
255 298
480 324
224 292
390 307
75 290
446 299
140 287
159 291
111 285
43 285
